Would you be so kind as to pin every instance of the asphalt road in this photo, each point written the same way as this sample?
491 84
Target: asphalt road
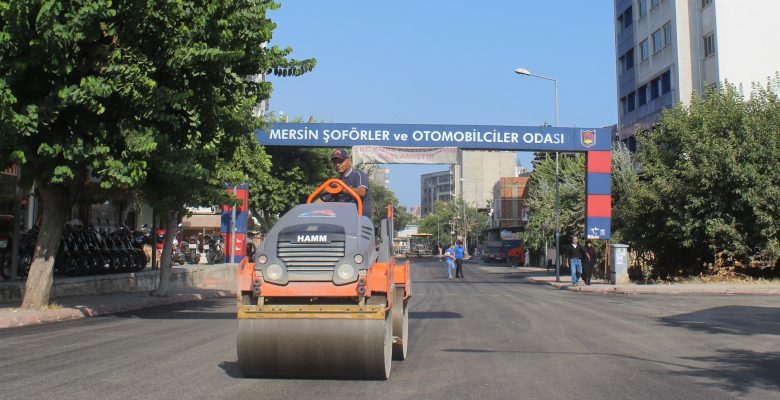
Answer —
488 336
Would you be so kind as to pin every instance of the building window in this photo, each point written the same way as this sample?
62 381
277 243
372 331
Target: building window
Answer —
620 23
709 44
658 41
629 59
628 18
654 3
644 50
631 100
642 8
667 34
666 82
623 106
705 3
654 92
622 62
642 95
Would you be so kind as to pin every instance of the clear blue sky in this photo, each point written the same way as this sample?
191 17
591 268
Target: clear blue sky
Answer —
448 62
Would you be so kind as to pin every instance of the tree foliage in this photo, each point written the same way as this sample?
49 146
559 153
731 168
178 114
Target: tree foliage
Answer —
150 95
453 216
709 186
381 198
541 200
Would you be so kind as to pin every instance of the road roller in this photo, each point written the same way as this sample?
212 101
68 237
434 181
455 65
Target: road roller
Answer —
323 299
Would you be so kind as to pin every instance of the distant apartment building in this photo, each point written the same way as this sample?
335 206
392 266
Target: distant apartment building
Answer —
436 186
378 175
668 50
509 203
416 211
472 179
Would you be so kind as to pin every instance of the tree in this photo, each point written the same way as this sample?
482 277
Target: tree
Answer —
381 198
541 200
148 95
459 216
709 187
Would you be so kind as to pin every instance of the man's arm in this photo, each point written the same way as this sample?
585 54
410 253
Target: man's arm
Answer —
361 191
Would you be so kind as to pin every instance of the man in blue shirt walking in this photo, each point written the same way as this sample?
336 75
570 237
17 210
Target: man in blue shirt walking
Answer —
459 259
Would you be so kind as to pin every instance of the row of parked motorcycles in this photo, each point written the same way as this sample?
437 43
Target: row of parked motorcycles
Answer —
102 249
210 245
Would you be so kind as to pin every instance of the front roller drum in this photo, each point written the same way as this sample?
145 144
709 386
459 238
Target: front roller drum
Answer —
316 347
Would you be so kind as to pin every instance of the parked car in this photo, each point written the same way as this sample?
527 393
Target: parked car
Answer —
494 254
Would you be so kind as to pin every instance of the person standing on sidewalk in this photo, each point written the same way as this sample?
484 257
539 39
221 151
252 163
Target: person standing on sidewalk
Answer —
589 262
449 257
459 260
576 254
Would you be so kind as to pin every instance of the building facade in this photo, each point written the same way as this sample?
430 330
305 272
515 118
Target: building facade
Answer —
669 50
509 203
436 186
472 179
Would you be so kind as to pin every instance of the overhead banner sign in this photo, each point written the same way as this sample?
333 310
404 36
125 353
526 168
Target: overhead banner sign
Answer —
404 155
471 137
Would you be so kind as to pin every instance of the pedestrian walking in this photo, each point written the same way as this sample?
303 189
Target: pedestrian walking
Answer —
459 260
449 257
576 254
589 262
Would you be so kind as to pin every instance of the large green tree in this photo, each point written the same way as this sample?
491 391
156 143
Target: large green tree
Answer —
709 186
146 94
541 200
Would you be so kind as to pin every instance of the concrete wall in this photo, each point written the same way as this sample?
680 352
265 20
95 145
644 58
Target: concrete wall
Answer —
192 276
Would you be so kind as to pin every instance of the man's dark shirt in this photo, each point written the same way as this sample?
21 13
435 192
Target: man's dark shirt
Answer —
576 252
356 179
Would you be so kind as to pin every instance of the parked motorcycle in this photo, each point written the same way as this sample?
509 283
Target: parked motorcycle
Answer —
26 250
215 251
191 252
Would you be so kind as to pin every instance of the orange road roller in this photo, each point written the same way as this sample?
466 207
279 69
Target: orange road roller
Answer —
323 299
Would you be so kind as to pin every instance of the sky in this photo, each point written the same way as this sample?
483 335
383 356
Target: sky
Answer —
447 62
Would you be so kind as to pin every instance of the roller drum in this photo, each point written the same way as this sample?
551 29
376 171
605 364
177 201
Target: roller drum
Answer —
400 324
316 347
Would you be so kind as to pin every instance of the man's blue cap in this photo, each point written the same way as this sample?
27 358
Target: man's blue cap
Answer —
339 153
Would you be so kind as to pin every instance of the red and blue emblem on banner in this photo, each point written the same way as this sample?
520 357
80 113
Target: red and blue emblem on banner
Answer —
588 138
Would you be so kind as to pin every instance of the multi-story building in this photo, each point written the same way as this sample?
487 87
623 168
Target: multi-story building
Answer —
416 210
471 180
378 175
668 50
509 208
436 186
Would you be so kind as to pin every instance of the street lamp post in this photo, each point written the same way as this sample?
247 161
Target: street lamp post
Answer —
523 71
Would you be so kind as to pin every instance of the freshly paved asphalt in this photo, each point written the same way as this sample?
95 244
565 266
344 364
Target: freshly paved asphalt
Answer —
489 336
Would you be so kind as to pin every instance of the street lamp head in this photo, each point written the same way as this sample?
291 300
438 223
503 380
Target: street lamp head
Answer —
522 71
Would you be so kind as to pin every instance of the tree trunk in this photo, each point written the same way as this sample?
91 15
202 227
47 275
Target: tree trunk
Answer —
129 204
56 207
170 221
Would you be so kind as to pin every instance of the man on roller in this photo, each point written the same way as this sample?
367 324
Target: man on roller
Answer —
356 180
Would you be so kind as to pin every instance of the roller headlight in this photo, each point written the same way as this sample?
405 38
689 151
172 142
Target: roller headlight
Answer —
358 259
262 259
346 272
274 272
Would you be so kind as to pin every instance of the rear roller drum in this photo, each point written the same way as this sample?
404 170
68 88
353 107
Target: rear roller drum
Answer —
400 325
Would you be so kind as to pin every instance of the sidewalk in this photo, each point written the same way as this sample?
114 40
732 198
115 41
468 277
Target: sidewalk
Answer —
600 286
75 307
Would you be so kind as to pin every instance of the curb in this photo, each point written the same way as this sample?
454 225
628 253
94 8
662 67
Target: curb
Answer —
27 318
614 289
